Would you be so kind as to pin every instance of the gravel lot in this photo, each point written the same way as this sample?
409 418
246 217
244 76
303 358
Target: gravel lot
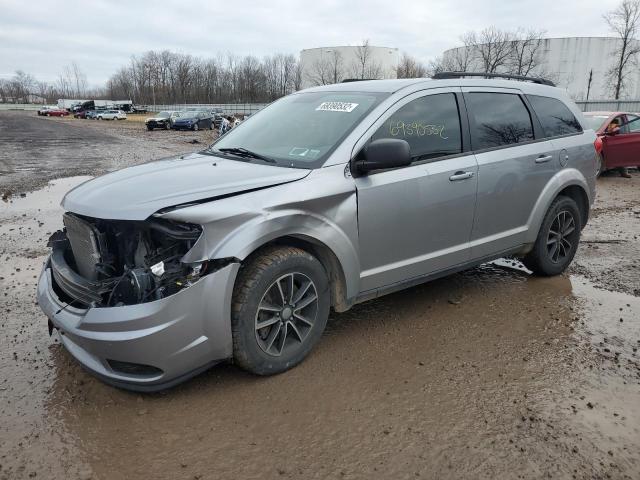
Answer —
489 373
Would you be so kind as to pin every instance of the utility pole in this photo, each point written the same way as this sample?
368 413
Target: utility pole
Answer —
589 84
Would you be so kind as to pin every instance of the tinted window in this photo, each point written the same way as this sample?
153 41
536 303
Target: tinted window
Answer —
499 119
430 124
555 117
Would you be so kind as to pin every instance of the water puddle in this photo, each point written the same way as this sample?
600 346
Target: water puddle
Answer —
46 198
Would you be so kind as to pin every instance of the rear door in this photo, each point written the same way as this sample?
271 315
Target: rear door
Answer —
417 220
515 162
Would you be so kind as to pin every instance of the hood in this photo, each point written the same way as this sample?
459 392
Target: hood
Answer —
156 119
135 193
184 119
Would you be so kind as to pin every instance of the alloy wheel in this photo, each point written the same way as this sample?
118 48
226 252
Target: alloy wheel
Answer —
286 313
559 244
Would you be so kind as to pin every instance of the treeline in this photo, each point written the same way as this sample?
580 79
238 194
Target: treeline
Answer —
168 78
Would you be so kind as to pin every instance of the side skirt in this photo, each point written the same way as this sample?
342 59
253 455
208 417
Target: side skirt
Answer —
412 282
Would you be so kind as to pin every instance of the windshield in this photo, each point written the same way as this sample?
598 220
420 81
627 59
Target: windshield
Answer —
595 121
164 115
299 130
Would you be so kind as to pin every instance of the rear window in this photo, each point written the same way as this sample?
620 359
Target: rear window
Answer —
498 119
555 117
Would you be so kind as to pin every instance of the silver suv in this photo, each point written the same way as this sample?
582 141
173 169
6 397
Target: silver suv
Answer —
328 197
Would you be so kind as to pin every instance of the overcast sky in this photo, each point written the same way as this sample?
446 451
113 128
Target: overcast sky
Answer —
41 36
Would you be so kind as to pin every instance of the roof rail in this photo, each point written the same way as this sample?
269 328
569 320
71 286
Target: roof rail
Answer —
508 76
349 80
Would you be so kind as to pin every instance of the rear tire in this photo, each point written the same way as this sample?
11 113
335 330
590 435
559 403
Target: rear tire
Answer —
195 127
557 240
149 128
285 290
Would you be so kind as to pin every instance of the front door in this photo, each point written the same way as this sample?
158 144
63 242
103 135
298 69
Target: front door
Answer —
417 220
623 149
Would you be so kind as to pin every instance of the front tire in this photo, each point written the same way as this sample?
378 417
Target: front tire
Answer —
279 310
557 240
195 127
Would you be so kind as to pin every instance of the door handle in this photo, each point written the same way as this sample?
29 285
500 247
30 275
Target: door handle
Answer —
456 177
544 158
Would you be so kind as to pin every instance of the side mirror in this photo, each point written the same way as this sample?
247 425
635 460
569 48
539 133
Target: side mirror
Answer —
384 153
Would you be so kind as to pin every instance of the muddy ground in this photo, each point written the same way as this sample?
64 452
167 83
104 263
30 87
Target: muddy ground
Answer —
490 373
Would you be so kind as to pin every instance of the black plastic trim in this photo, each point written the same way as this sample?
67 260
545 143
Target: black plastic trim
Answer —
506 76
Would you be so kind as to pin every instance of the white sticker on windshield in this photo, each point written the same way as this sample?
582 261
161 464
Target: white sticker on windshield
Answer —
298 152
337 107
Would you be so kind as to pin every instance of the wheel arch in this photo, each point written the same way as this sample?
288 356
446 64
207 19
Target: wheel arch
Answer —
579 195
325 255
568 182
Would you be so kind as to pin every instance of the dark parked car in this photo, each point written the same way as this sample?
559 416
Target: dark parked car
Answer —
193 121
161 120
91 114
81 114
618 142
217 114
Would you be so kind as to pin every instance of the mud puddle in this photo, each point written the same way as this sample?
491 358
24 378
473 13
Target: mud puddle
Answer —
490 373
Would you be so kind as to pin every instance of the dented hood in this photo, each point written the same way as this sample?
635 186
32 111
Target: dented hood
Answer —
135 193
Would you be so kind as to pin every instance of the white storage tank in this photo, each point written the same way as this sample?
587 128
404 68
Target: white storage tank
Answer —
569 61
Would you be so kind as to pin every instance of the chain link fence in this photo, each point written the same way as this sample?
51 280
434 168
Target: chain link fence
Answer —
249 108
227 108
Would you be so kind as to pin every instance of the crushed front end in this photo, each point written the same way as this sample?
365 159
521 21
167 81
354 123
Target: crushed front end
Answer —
126 305
104 263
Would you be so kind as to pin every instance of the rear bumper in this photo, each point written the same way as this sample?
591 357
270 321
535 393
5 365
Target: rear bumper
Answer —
175 337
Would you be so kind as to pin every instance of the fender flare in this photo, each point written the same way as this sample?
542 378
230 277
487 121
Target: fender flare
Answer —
560 181
268 227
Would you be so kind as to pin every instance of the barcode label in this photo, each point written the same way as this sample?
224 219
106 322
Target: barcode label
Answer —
337 107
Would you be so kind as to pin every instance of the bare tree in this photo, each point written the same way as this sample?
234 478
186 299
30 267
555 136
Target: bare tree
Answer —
364 66
492 47
624 22
409 67
526 49
328 69
21 86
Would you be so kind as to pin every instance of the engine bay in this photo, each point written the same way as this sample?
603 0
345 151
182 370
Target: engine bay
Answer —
106 263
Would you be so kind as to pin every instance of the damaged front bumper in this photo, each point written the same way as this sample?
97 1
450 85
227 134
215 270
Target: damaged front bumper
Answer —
148 346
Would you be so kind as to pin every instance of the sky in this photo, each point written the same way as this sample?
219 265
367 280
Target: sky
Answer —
42 36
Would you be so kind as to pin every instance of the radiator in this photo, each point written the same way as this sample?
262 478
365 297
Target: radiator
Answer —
83 238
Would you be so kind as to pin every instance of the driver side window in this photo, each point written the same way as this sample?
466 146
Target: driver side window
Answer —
430 124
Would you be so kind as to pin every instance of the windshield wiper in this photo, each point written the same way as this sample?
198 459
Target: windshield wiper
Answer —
243 152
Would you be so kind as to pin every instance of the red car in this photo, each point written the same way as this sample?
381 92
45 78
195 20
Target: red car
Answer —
56 112
618 142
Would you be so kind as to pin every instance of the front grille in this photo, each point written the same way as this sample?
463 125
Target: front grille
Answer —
84 244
